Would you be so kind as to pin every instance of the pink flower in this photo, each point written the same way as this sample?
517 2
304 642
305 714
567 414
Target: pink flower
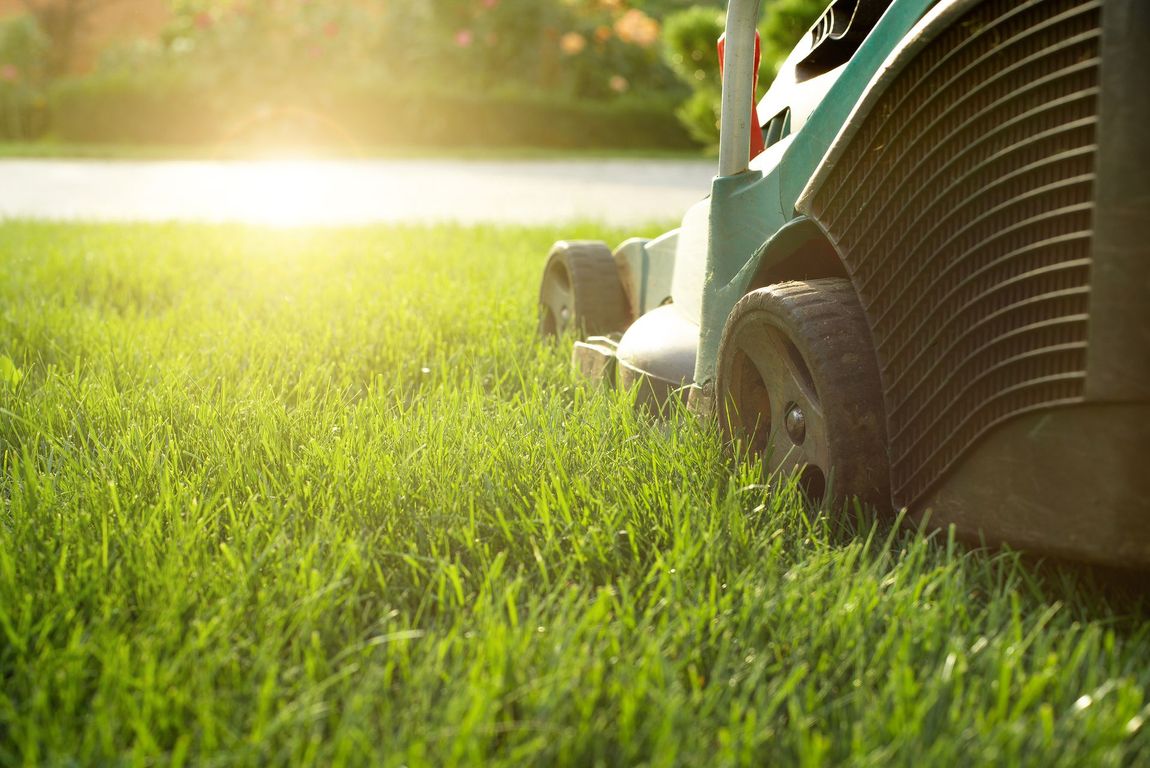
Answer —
203 20
489 4
9 73
464 38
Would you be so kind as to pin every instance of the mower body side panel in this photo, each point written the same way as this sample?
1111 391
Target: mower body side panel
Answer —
646 268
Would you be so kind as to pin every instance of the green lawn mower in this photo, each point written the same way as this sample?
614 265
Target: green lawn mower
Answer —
921 275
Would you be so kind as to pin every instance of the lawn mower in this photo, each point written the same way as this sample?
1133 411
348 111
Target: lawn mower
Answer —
921 275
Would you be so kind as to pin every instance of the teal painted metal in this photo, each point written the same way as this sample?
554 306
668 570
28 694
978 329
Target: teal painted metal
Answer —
747 208
744 213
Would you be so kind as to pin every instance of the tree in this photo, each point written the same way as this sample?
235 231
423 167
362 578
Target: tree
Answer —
63 21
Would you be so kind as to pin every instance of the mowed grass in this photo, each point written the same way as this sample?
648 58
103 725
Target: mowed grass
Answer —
319 498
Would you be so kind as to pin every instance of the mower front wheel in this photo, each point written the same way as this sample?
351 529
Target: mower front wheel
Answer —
797 380
582 290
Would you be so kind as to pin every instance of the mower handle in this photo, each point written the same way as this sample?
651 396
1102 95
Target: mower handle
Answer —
738 89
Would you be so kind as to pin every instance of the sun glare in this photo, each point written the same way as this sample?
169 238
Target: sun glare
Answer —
282 193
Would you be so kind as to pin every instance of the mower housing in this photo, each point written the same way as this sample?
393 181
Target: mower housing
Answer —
979 170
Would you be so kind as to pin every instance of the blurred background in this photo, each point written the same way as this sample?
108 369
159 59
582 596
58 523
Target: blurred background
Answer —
356 77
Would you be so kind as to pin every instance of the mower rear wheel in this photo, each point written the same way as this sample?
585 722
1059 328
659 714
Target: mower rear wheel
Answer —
581 289
797 380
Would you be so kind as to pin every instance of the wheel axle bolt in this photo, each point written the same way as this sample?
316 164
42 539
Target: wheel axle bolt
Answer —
796 424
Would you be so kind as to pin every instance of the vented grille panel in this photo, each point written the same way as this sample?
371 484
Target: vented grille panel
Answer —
963 210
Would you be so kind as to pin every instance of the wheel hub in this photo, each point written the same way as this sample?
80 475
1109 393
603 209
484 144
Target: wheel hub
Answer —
796 422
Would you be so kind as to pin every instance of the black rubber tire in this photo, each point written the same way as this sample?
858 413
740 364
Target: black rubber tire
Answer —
581 289
806 345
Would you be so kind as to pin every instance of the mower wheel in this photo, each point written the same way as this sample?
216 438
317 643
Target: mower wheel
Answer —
581 289
797 380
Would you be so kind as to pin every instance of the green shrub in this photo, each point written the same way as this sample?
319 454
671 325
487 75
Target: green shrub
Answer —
428 117
784 24
24 52
453 73
699 115
169 108
690 37
159 108
577 50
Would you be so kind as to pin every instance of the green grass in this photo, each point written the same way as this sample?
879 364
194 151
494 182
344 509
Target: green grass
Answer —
279 498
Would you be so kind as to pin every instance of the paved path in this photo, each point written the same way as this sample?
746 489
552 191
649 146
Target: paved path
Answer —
335 192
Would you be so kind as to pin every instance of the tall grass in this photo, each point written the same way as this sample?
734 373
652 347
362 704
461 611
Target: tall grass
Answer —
318 497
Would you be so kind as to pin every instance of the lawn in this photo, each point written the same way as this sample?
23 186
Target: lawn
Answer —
319 498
